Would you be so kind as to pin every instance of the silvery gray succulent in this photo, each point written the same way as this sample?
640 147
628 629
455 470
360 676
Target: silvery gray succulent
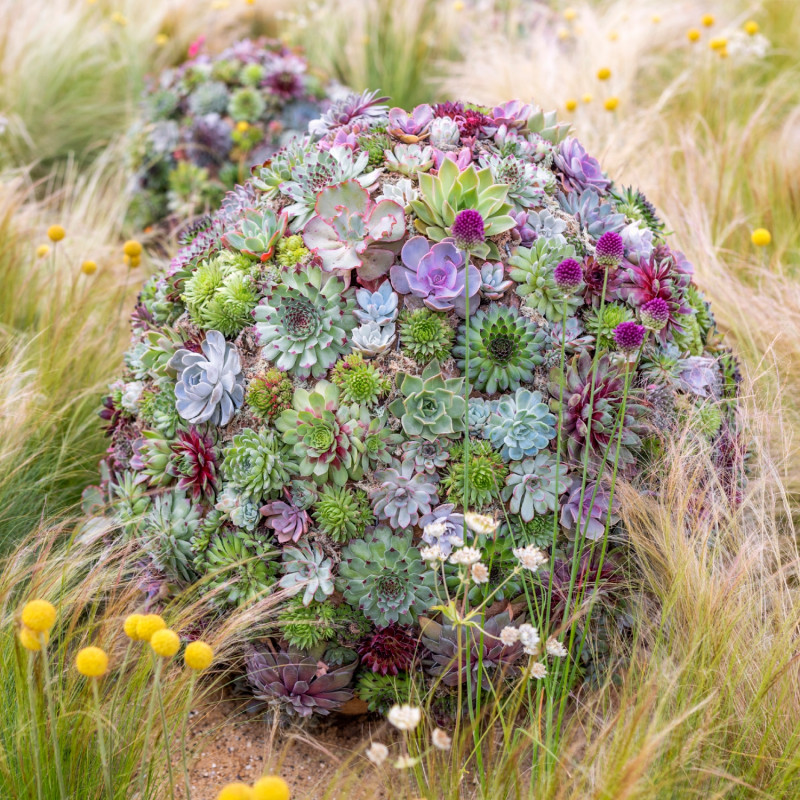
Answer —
521 425
403 497
307 570
379 306
531 485
372 339
547 226
210 385
443 527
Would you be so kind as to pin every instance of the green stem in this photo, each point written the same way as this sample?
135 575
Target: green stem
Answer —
185 725
37 752
51 710
101 742
166 731
148 725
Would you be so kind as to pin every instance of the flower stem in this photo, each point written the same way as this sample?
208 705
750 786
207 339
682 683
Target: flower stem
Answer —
166 730
184 726
101 742
37 753
51 708
148 725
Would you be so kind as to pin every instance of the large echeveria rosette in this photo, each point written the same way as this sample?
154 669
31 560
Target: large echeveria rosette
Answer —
295 405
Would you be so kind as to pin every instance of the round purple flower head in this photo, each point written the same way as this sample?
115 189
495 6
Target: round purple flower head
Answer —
609 249
568 275
629 336
655 314
468 229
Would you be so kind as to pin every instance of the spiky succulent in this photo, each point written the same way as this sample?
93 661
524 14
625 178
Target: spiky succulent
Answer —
303 323
389 650
257 463
194 463
342 513
486 475
429 405
258 233
636 207
359 381
595 215
167 530
534 484
602 321
425 335
294 683
269 394
504 348
520 425
442 196
305 627
385 578
326 438
381 692
529 183
306 569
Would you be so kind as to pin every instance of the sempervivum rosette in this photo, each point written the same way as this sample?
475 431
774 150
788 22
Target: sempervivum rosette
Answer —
204 123
407 329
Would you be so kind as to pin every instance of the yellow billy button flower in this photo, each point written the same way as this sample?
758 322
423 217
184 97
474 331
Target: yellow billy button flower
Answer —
161 39
656 19
131 626
165 643
570 14
271 787
92 662
38 615
147 625
56 233
603 74
243 126
30 639
611 103
42 250
571 104
89 267
198 656
693 35
134 261
132 248
751 27
236 791
587 98
760 237
707 20
720 43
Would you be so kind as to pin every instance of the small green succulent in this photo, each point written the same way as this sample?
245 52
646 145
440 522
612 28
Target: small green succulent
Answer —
359 381
532 268
386 578
381 692
306 627
375 144
155 454
258 464
443 196
258 233
131 501
425 335
379 440
246 104
269 394
167 531
504 348
157 408
487 475
342 513
601 322
429 406
292 251
191 189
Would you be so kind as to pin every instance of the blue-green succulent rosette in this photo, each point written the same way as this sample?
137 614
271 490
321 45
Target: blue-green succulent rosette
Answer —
410 355
204 123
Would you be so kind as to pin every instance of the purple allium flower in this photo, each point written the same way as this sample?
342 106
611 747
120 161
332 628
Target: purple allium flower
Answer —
629 336
610 249
655 314
468 229
437 274
568 275
578 169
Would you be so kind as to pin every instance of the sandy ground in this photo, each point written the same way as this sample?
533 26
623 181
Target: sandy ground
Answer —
232 745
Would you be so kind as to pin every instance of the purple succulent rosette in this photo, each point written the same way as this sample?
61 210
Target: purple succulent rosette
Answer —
293 410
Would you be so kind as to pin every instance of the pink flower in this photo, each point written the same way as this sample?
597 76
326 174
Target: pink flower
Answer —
196 46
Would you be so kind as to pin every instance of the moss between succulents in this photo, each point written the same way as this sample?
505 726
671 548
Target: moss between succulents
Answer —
294 409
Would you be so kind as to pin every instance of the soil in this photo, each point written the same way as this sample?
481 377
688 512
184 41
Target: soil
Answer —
229 744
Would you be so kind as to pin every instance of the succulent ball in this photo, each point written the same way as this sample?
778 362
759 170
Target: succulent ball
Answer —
91 662
397 356
38 615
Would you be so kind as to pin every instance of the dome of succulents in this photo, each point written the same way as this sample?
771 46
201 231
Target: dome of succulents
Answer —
205 123
406 364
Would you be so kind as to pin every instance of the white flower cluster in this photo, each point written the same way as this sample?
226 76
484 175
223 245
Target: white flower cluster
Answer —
531 557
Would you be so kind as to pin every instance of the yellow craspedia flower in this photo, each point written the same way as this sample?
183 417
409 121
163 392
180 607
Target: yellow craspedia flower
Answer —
89 267
570 14
693 34
656 19
571 104
134 261
42 250
30 639
723 53
587 98
720 43
760 237
562 33
707 20
198 656
250 2
39 615
603 74
751 27
119 19
611 103
458 6
148 624
236 791
91 662
162 39
165 642
271 787
131 626
132 248
56 233
613 36
242 126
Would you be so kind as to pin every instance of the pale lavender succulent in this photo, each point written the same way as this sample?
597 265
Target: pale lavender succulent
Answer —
700 375
494 283
210 385
437 274
366 108
547 226
209 140
594 214
410 127
638 242
424 455
462 159
444 132
287 520
307 570
448 533
403 496
588 519
379 306
409 159
579 171
531 485
513 114
373 339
